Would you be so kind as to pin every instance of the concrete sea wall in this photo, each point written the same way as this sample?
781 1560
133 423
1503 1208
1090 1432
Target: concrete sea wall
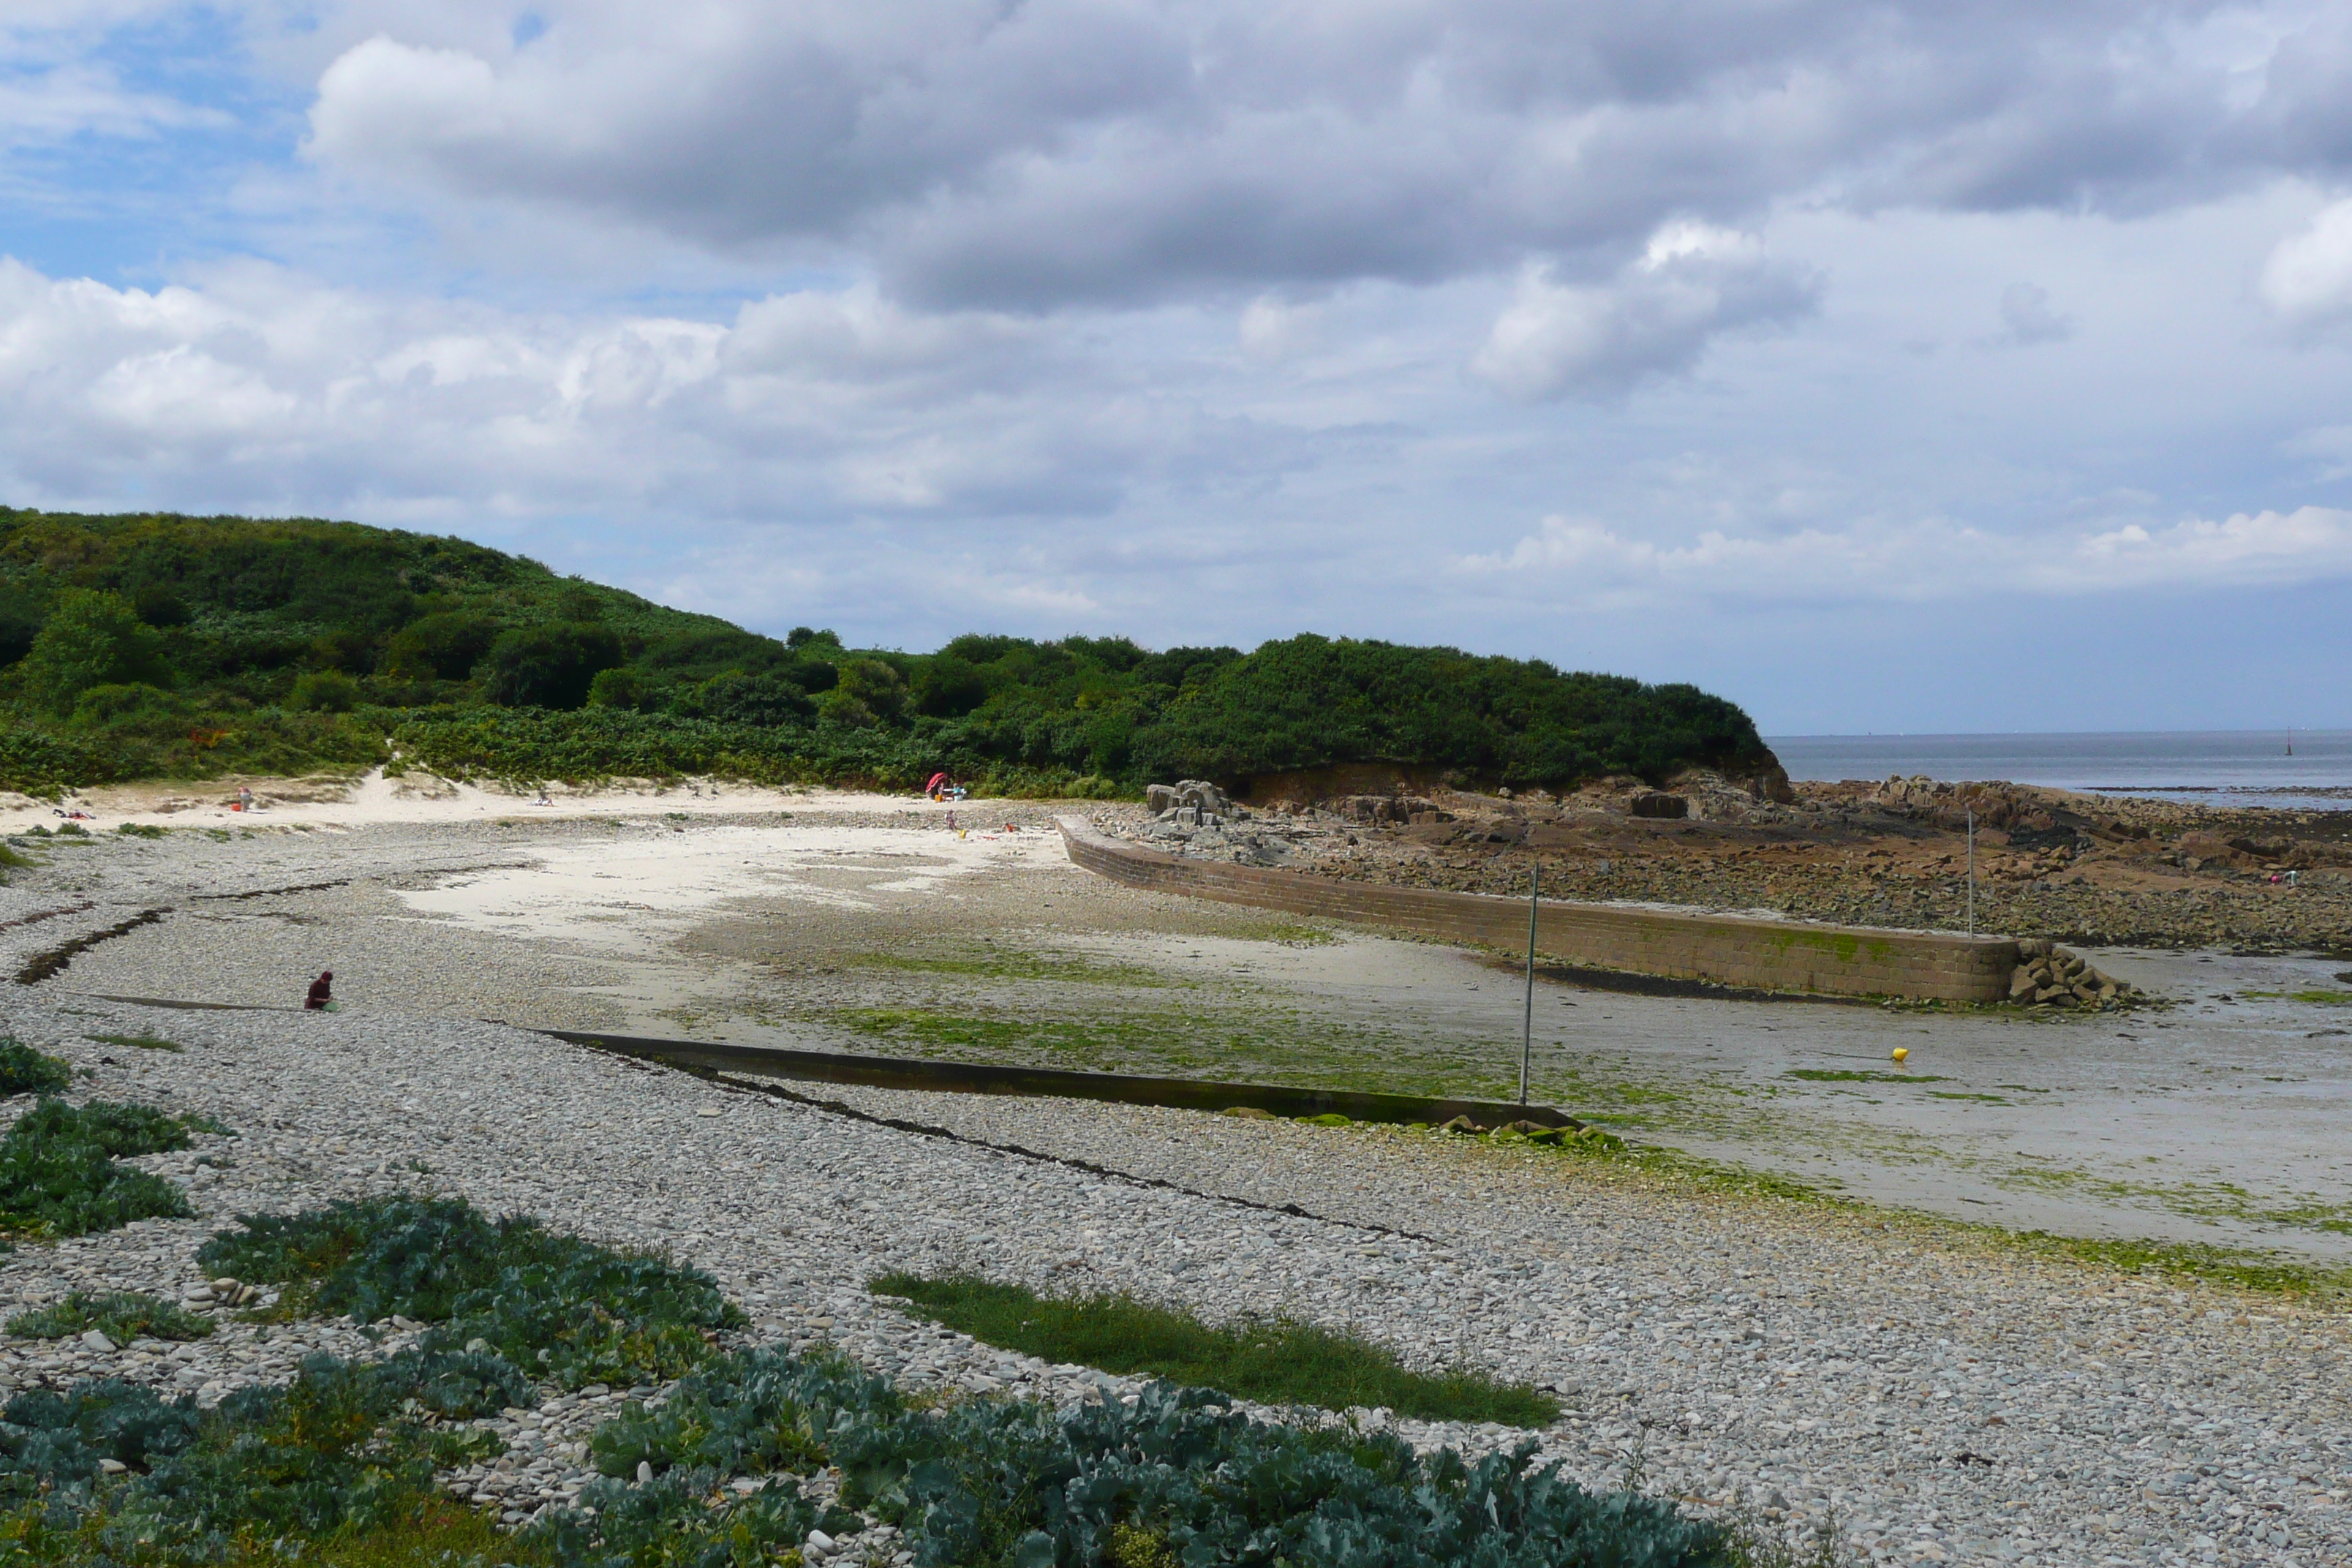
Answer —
1728 950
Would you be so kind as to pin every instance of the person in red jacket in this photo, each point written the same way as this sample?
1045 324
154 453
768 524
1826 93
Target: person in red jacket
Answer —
321 996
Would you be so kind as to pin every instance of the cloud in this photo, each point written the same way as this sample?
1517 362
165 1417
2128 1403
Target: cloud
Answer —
1654 319
2308 279
262 384
1934 559
2026 318
1123 153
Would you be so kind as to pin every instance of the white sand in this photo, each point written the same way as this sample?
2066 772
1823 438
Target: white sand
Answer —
374 800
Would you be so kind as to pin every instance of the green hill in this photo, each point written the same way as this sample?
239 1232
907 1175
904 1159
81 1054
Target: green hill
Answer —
168 647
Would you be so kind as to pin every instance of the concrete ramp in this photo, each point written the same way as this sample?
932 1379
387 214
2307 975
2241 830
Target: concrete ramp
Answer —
1725 950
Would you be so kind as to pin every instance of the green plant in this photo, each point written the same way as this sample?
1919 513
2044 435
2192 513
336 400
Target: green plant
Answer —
24 1070
481 662
141 830
90 638
120 1316
573 1311
137 1042
323 691
121 1131
1274 1362
58 1174
347 1449
1179 1473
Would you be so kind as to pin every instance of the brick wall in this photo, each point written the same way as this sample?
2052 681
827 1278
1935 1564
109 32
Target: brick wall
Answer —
1730 950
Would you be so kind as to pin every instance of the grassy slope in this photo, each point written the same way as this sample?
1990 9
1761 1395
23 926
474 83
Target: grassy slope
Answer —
228 645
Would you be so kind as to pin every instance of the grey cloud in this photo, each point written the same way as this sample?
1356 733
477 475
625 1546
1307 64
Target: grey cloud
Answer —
1655 319
1122 152
2027 318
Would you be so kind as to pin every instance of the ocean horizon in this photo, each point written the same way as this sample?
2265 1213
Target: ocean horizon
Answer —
2310 768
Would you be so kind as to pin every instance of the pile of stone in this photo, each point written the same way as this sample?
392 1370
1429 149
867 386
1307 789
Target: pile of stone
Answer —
1192 802
1386 810
2049 975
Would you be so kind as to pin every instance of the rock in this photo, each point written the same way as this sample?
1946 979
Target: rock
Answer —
1158 798
646 1472
94 1340
1658 803
1251 1113
2021 982
820 1540
1461 1124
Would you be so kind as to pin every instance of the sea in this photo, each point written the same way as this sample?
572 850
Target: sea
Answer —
2301 769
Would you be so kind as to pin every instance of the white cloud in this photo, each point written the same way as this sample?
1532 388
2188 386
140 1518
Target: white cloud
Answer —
1934 559
260 384
1654 319
2308 279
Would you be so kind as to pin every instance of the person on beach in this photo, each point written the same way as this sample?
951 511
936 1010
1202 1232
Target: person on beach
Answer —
937 786
321 996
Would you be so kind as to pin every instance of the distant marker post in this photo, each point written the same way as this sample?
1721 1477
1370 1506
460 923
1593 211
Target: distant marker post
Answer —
1528 1023
1972 870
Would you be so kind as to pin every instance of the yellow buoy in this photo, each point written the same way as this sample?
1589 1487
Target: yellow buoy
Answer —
1902 1053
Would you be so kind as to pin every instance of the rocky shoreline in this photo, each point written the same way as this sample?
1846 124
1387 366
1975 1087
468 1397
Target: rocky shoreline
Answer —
2080 869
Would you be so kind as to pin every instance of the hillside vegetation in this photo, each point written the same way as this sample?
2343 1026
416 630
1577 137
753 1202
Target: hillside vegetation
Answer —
168 647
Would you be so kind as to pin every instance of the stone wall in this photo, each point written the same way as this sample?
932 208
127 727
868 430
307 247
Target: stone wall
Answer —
1728 950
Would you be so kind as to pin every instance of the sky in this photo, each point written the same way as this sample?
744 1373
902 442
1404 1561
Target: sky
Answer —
1895 366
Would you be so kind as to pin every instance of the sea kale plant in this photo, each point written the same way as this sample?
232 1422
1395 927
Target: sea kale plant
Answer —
1179 1478
59 1174
570 1310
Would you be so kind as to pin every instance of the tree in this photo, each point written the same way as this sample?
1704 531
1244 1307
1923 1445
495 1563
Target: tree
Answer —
91 638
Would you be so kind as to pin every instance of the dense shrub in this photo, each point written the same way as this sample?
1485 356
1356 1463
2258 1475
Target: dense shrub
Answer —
547 667
90 638
1015 1483
570 1310
121 1130
323 691
24 1070
347 1448
59 1175
301 645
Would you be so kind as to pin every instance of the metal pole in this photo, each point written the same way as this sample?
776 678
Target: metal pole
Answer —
1972 870
1528 1026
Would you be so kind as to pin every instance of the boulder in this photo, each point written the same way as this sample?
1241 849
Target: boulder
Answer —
1658 803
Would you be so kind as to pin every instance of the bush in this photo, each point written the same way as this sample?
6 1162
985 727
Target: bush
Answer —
90 638
572 1312
547 667
121 1131
24 1070
442 647
624 687
347 1448
103 705
992 1482
323 691
765 700
121 1316
59 1175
